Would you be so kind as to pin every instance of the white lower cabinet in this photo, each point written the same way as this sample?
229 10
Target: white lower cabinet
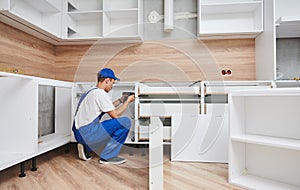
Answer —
18 121
265 138
27 127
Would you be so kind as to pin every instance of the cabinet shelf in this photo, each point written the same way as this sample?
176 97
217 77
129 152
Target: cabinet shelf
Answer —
265 138
121 23
268 141
230 19
261 183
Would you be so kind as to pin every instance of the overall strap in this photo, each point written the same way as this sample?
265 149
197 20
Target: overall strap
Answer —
82 98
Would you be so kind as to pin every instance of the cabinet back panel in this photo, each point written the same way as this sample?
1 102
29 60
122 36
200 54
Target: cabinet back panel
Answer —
152 60
273 116
264 161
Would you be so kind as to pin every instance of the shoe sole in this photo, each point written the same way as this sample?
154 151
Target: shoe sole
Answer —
81 154
113 163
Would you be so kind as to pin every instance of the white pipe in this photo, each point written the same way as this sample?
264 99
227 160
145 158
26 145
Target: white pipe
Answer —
168 15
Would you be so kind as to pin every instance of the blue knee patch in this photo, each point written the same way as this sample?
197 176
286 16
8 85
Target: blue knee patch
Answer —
125 122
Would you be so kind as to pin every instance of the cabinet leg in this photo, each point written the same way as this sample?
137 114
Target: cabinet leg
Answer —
34 168
130 151
144 150
67 148
22 169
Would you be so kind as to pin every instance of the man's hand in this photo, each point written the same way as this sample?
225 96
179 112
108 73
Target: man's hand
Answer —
130 98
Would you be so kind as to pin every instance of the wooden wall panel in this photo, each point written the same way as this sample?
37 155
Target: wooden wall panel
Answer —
27 54
189 60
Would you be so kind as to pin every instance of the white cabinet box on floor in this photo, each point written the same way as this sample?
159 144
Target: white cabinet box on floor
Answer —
265 138
25 120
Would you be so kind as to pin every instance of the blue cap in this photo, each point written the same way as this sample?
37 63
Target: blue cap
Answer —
107 73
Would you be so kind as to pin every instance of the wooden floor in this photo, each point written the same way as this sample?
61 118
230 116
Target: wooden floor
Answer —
60 170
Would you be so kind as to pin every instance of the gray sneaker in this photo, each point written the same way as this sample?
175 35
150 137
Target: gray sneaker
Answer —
114 160
82 153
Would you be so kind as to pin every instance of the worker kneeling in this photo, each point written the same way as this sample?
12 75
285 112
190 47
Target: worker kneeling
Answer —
90 133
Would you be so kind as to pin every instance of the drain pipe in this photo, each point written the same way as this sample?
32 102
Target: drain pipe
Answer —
168 15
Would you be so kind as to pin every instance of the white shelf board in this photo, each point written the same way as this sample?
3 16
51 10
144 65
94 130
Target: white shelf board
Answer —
230 8
170 100
267 92
231 34
86 15
268 141
255 182
168 90
52 141
10 159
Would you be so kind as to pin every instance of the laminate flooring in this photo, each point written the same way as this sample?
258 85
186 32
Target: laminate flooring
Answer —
60 170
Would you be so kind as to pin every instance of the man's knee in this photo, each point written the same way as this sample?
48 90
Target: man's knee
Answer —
125 122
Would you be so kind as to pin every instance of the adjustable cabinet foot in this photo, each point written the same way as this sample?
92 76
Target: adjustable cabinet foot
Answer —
22 169
67 148
34 168
144 150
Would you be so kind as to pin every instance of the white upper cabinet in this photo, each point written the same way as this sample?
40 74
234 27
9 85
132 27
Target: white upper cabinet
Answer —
43 15
287 17
102 19
69 21
229 18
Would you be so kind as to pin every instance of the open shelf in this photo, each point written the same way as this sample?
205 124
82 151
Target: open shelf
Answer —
121 23
42 14
228 19
85 24
268 141
265 138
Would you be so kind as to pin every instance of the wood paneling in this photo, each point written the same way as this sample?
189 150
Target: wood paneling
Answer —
189 60
58 170
27 54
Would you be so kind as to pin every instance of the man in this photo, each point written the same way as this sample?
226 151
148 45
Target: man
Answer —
90 132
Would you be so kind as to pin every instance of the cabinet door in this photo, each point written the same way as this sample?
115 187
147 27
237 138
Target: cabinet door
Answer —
18 120
200 138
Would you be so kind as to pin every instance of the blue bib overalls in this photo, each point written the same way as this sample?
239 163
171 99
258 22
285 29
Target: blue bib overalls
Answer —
94 134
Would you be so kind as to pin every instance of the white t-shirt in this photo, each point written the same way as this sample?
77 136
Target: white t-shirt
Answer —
96 102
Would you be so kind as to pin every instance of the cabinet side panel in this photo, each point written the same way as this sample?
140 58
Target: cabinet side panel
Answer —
18 100
265 45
